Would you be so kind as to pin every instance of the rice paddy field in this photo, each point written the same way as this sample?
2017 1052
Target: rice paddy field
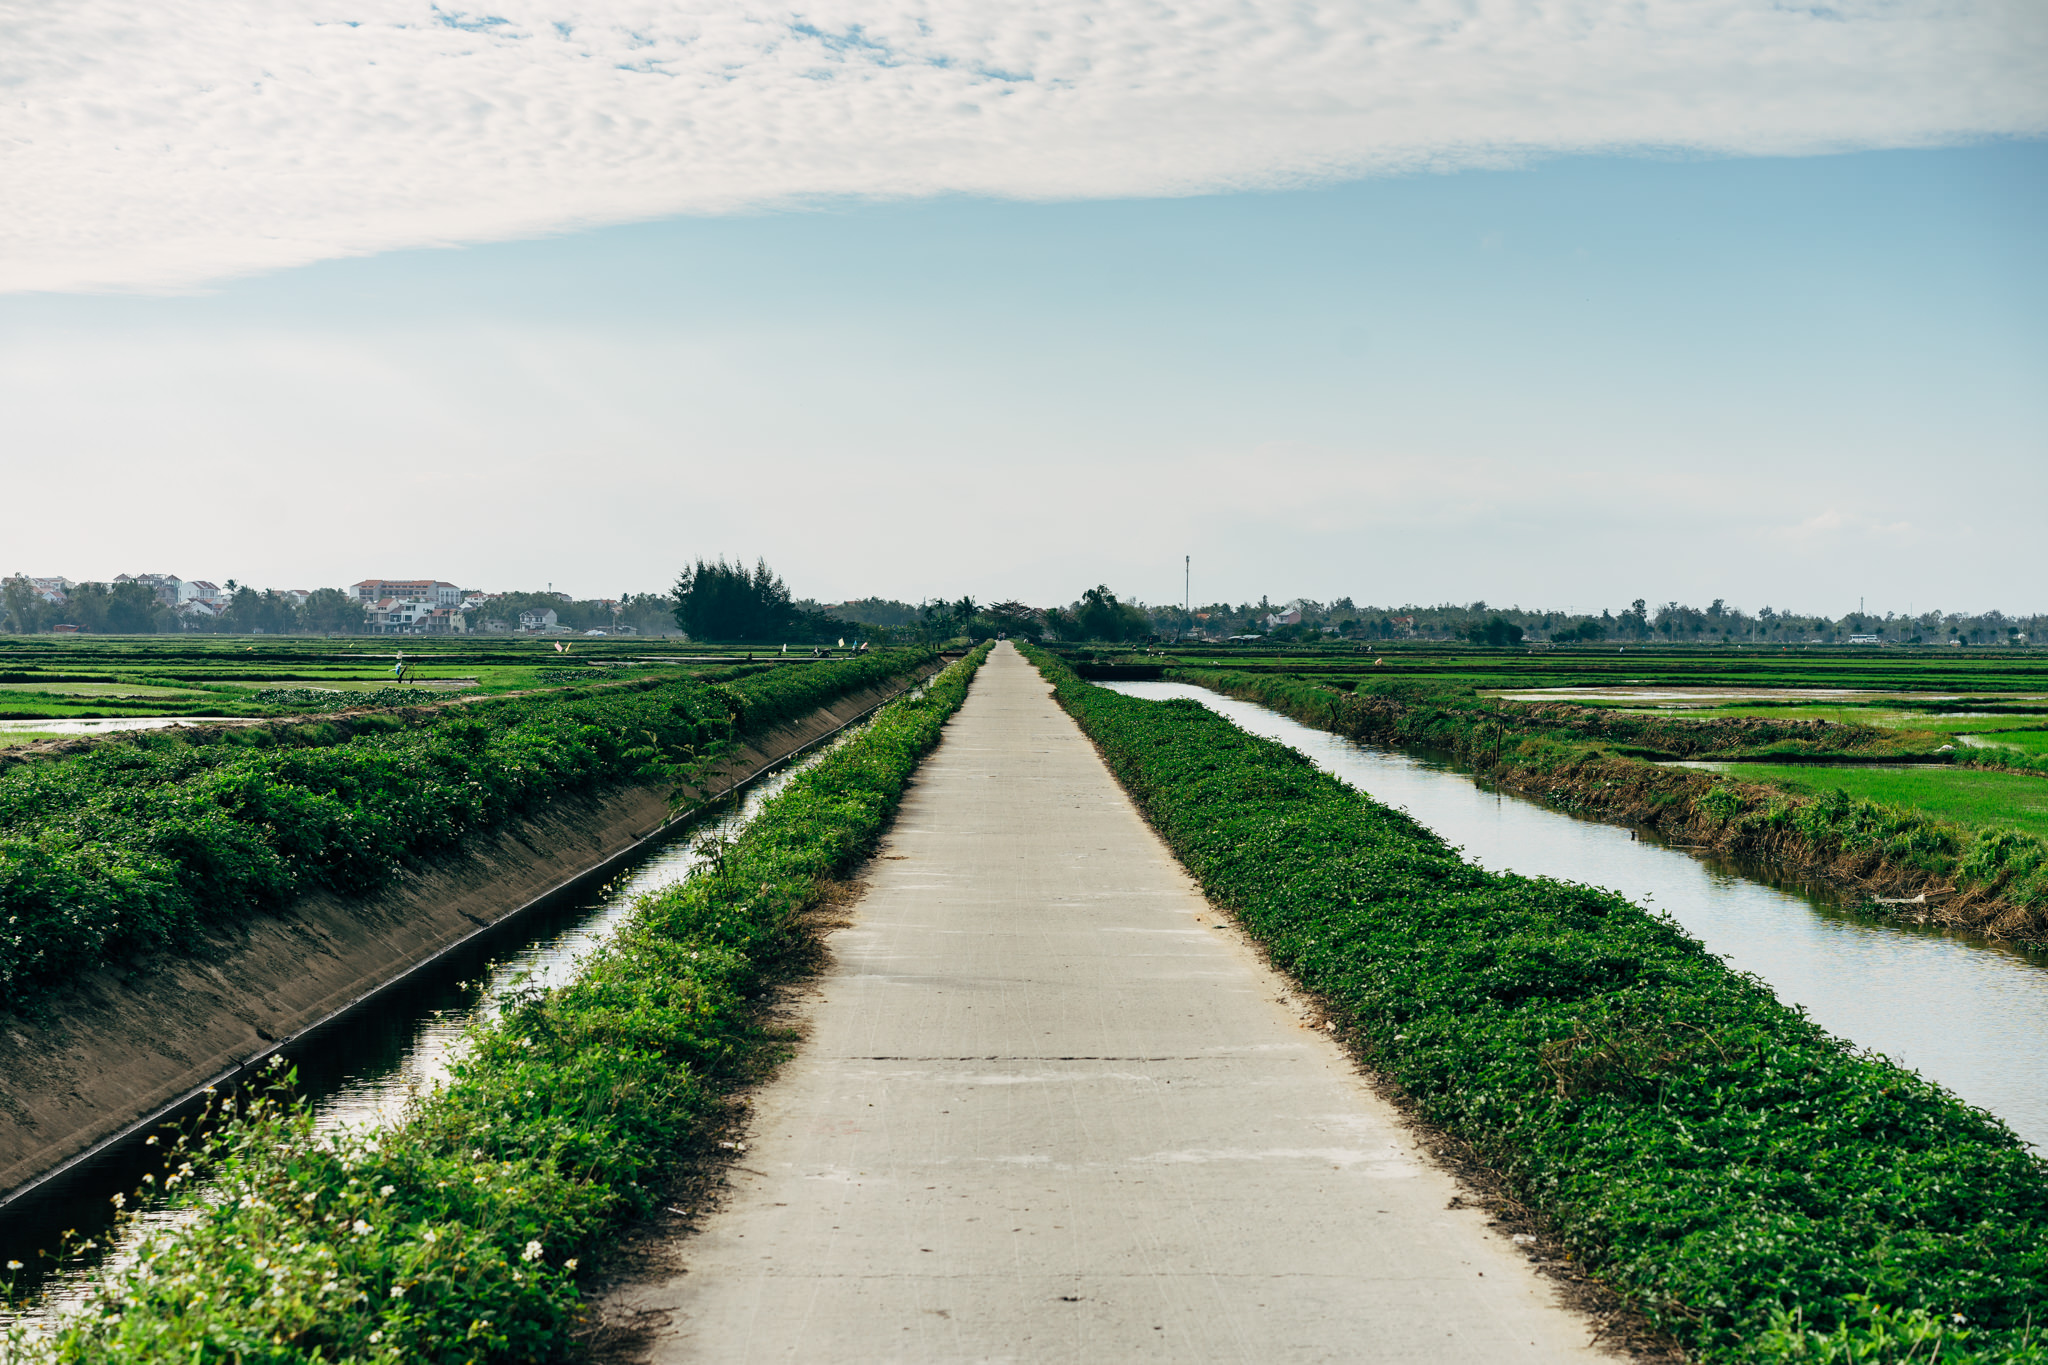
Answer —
1972 797
2033 742
1728 675
58 681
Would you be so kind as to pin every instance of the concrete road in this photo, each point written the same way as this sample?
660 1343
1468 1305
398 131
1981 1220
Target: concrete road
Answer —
1050 1109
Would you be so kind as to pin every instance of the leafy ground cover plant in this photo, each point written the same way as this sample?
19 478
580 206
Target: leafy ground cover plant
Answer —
145 844
335 699
1766 1192
463 1232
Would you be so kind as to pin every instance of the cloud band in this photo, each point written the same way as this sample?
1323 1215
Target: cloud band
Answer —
167 145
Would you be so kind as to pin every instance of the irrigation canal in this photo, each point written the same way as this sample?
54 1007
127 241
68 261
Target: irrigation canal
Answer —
362 1071
1965 1012
1968 1013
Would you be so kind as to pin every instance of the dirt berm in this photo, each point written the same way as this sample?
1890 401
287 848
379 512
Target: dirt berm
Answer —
121 1047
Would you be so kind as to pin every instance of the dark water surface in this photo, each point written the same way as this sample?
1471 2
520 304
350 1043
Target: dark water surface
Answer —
1966 1012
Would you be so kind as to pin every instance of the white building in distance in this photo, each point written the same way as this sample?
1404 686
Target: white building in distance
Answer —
433 591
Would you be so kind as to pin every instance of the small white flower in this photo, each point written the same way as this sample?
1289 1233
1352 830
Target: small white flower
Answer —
532 1252
14 1265
397 1291
118 1200
386 1191
376 1337
362 1228
569 1264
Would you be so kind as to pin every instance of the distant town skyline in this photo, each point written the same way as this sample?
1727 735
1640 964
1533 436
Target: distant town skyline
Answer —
448 595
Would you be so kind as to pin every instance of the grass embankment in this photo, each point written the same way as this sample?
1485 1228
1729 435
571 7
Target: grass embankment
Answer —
464 1232
13 737
150 843
1991 877
1763 1190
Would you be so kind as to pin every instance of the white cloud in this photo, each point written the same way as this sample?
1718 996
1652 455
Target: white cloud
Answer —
163 145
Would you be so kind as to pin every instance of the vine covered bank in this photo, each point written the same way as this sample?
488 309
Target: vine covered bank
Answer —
465 1231
1764 1191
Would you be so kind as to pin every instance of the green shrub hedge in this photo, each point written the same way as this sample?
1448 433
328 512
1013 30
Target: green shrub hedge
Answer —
464 1232
144 844
1763 1189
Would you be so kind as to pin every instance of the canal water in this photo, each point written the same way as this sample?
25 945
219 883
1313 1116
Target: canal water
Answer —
98 725
1968 1013
363 1071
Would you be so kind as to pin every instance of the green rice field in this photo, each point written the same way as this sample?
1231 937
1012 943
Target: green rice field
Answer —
67 678
2028 741
2001 676
1890 718
1969 796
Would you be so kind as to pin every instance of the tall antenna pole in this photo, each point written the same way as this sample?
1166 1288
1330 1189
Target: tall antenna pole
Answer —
1187 597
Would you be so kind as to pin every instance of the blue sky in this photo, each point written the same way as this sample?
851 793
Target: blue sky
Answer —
1798 360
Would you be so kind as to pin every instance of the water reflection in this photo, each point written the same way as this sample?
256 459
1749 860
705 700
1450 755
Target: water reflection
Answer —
97 725
1969 1013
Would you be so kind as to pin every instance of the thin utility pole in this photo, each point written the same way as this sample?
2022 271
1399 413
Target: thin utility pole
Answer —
1187 597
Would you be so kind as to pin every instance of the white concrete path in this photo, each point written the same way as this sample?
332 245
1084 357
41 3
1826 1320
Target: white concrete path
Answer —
1050 1110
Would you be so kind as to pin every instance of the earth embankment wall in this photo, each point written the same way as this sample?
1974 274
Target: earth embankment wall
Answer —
121 1047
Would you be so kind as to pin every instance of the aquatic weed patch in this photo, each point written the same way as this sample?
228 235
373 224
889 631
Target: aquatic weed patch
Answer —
148 843
1765 1191
465 1231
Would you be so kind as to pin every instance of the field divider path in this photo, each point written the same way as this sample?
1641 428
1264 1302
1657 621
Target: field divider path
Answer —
1051 1107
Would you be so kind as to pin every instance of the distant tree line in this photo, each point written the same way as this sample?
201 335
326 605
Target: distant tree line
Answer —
135 609
1638 622
717 601
1099 615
